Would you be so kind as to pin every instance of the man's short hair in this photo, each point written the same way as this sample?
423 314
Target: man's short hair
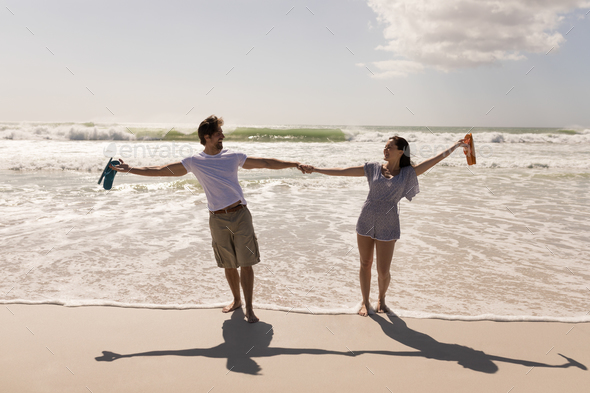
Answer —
209 126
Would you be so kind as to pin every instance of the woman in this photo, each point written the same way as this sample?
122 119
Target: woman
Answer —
378 224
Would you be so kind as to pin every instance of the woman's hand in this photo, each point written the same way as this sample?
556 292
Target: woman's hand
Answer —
462 143
306 168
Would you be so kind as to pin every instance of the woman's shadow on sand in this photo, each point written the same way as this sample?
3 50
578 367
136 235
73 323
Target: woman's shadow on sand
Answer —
429 348
243 342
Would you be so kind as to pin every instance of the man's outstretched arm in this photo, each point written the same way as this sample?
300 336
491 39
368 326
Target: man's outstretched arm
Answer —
270 163
175 169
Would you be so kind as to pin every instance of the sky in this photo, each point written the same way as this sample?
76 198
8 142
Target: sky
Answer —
333 62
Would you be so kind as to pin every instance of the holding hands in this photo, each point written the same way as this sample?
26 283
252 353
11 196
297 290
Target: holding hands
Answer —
304 168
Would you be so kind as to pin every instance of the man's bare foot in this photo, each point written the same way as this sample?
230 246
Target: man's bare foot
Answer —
382 307
364 311
250 317
233 306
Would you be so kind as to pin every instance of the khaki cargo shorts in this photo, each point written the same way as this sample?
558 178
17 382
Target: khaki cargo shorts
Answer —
234 241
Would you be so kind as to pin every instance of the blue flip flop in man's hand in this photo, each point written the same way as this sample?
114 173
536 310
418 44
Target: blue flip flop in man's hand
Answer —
109 174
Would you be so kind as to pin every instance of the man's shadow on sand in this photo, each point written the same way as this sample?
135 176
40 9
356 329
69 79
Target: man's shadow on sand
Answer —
429 348
243 342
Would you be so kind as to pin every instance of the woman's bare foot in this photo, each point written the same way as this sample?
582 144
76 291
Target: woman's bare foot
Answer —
364 311
250 317
382 307
233 306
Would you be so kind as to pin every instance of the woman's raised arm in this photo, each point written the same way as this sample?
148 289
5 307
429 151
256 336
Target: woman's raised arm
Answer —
430 162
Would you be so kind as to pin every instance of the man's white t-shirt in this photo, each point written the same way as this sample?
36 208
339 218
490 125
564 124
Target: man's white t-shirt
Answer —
218 175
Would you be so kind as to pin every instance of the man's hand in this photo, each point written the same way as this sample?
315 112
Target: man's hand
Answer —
305 168
122 167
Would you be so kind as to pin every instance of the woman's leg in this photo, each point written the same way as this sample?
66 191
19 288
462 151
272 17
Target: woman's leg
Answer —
366 245
384 256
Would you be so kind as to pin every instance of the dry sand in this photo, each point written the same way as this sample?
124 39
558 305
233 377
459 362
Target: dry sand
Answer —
49 348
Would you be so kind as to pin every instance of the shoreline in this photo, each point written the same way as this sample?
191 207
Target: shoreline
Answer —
101 348
306 311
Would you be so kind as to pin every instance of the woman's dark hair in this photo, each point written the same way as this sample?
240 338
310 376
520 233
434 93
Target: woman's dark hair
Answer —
209 126
402 144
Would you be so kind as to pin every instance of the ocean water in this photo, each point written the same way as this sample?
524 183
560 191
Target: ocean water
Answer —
506 239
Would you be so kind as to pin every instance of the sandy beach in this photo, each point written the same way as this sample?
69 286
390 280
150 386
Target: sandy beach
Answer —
50 348
261 145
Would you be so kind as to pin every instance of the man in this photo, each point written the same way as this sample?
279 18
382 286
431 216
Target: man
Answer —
234 242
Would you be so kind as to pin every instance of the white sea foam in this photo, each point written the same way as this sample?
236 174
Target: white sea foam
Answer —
130 131
506 247
306 310
89 156
425 137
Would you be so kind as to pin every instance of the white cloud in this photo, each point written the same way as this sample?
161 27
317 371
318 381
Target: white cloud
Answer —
452 34
397 68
